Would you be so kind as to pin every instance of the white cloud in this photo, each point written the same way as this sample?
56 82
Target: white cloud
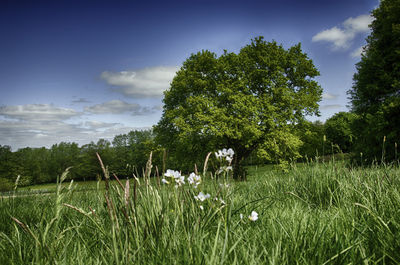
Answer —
115 107
37 112
338 37
95 125
329 96
342 37
358 24
357 53
37 125
19 134
147 82
37 133
331 107
158 108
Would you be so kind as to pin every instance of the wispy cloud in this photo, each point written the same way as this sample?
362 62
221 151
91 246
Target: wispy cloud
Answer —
37 134
331 107
37 112
147 82
37 125
329 96
33 133
80 100
342 37
95 125
358 52
117 107
157 108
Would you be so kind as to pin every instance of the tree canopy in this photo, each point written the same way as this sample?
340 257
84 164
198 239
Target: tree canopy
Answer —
375 95
339 130
247 101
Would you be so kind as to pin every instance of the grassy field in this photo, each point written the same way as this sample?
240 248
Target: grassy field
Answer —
321 213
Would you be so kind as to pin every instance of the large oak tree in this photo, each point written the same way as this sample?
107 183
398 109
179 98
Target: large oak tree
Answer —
247 101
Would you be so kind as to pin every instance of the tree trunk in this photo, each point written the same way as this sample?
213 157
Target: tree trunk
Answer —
239 172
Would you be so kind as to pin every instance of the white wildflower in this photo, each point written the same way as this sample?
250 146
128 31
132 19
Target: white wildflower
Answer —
170 173
164 181
225 153
194 179
180 180
177 177
253 216
201 207
202 196
224 169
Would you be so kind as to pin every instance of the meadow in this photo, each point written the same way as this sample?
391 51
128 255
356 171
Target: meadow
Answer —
317 213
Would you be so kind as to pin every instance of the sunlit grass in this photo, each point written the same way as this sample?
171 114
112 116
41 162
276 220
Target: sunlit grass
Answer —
320 213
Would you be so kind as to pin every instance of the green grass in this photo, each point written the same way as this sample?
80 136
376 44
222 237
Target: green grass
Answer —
322 213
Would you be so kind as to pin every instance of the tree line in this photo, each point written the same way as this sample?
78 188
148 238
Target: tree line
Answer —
127 154
124 155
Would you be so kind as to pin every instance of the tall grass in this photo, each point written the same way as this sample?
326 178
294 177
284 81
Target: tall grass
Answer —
320 213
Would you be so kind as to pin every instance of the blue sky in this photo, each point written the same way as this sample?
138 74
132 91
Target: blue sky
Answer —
78 71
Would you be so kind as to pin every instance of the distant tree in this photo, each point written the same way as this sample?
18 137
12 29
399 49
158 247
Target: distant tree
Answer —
339 130
248 101
122 155
103 148
9 168
141 143
312 136
375 95
132 152
89 167
63 156
35 165
7 165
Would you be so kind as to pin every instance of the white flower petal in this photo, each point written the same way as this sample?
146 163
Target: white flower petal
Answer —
201 196
253 216
164 181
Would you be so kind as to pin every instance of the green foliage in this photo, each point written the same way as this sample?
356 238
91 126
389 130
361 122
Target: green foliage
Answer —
5 184
9 166
128 155
131 152
246 101
339 130
375 96
312 136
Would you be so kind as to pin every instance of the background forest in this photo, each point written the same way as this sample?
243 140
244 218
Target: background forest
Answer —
128 153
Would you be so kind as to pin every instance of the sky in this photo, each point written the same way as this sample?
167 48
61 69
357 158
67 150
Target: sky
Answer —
78 71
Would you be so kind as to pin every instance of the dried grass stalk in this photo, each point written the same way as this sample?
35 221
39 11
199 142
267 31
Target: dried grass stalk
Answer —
26 229
119 182
149 166
206 164
126 195
104 171
75 208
